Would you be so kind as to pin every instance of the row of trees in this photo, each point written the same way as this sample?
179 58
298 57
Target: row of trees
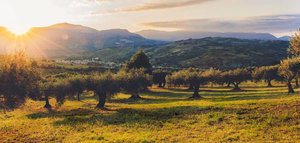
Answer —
287 71
20 79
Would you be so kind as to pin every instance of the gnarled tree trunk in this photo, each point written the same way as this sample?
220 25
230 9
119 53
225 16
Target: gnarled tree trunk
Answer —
78 96
297 83
290 87
196 92
135 96
191 87
101 100
47 105
269 83
236 87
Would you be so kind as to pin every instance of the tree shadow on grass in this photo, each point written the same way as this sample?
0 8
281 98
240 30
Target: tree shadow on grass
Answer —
130 116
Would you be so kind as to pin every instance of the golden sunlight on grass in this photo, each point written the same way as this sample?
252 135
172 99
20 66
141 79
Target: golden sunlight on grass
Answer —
257 114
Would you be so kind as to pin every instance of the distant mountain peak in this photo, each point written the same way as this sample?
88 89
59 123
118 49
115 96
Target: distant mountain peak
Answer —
182 35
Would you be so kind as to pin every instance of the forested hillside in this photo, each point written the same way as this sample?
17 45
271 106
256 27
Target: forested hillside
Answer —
204 53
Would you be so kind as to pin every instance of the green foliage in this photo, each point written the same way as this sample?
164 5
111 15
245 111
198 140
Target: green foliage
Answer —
267 73
294 49
290 69
104 86
159 77
133 81
236 77
138 61
18 80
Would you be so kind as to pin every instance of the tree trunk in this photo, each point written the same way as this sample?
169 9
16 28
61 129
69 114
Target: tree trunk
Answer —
191 87
269 83
228 84
78 96
196 93
101 101
290 87
236 87
159 84
47 105
135 96
297 83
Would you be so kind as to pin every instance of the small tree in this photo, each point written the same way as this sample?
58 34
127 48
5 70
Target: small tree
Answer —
104 86
236 77
214 76
47 91
196 79
77 85
290 69
192 77
267 73
139 61
176 79
159 77
133 82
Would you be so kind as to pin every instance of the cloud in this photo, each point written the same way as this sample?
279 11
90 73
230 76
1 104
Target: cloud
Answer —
164 5
161 4
272 24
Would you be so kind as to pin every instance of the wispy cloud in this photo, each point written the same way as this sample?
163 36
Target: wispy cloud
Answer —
158 4
164 4
272 24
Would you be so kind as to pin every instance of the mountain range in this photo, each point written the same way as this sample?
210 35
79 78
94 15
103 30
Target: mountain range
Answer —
118 45
69 40
222 53
183 35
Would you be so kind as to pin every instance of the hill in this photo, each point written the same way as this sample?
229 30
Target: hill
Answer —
183 35
67 39
207 52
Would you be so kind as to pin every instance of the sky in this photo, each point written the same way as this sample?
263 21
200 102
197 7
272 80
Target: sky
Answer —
279 17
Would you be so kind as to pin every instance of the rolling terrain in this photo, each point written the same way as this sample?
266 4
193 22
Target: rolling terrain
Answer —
65 39
225 53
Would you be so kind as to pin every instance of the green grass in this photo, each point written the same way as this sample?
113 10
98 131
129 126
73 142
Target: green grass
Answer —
257 114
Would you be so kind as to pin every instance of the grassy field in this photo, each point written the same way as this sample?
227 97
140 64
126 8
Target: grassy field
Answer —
257 114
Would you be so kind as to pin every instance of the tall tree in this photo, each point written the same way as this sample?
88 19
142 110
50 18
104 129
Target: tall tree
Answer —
138 61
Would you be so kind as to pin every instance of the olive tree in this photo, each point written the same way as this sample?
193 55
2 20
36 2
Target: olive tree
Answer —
104 86
18 80
195 78
266 73
236 77
159 77
77 85
133 82
294 50
289 69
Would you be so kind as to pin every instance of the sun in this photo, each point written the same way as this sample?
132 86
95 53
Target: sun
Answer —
18 30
